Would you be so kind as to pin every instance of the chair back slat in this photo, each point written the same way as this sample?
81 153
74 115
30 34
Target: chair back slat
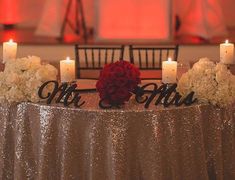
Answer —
112 55
106 56
86 59
131 54
146 58
140 62
160 57
153 58
77 64
176 52
121 54
150 58
99 57
167 53
93 58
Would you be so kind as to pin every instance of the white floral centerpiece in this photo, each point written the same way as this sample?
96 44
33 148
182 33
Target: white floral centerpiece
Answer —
212 83
22 78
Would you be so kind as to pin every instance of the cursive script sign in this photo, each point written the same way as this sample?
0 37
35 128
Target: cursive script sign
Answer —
68 93
165 94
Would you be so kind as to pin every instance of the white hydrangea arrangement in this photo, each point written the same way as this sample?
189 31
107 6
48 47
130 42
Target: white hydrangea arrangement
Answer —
212 83
22 78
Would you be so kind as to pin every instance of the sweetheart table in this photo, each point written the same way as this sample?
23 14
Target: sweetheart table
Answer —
40 141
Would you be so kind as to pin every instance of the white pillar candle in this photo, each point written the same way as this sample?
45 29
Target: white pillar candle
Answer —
9 50
67 70
227 53
169 71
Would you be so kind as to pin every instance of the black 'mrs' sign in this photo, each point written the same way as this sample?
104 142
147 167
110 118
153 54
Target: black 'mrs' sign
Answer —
165 94
68 93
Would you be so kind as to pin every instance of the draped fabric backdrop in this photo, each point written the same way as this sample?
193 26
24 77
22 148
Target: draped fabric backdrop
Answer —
48 15
200 18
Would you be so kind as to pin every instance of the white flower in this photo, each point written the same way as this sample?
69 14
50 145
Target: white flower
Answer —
211 83
45 72
12 78
22 78
14 94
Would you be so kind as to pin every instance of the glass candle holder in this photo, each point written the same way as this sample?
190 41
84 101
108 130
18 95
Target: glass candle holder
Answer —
182 67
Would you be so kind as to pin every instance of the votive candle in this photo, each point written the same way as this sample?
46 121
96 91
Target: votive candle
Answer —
67 70
169 71
227 53
9 51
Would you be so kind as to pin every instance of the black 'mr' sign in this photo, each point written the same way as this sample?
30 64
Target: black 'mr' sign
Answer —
166 94
67 92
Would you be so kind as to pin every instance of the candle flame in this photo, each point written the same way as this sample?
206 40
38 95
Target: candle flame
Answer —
226 41
11 41
67 58
169 59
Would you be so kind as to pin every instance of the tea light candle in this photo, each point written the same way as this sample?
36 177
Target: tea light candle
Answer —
227 53
67 70
9 50
169 71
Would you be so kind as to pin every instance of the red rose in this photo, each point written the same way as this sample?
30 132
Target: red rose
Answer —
121 81
117 81
111 89
119 71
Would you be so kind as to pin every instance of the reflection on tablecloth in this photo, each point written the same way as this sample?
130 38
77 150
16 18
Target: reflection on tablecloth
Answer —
39 141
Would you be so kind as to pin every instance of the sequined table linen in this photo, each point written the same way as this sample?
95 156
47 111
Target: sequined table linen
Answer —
41 142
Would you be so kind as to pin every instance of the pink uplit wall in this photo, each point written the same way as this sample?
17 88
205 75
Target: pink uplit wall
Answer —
10 12
133 19
22 12
229 12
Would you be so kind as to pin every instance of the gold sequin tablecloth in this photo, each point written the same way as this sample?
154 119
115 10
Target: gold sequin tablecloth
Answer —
51 142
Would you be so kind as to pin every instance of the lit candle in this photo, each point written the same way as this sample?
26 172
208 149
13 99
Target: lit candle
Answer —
9 50
67 70
226 53
169 71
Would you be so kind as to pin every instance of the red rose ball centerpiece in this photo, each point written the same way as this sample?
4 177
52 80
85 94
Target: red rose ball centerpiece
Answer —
116 83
